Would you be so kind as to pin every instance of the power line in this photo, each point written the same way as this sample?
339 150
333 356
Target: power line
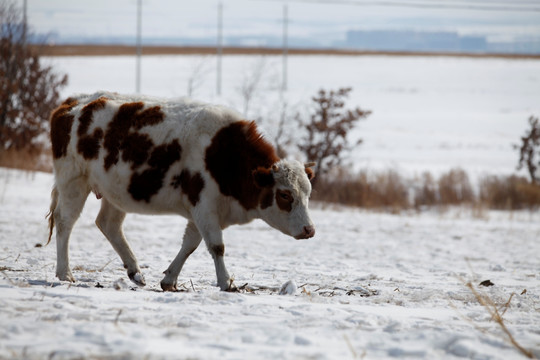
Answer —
420 5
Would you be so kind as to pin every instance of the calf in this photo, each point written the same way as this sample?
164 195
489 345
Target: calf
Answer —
155 156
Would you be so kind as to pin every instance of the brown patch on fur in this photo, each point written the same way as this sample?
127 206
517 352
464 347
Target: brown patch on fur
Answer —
284 200
144 185
70 102
235 152
267 198
165 155
86 118
218 250
191 185
129 115
117 130
263 177
148 117
148 183
88 145
136 149
61 123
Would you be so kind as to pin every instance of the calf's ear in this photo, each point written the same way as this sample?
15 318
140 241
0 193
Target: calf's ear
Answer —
309 171
263 177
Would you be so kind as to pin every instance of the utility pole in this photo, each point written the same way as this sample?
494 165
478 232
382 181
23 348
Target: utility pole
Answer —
219 46
285 47
139 48
25 20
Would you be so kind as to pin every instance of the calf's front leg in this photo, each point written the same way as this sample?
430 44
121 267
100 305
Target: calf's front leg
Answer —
213 237
192 239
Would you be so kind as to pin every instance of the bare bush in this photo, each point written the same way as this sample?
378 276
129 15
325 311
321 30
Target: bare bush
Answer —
197 74
29 91
342 187
256 77
278 123
455 188
386 190
328 128
427 193
529 150
390 191
26 159
509 193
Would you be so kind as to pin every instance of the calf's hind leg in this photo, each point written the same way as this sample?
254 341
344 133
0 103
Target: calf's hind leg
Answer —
71 197
109 221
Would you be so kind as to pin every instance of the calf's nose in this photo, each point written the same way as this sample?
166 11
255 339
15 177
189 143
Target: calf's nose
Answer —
307 232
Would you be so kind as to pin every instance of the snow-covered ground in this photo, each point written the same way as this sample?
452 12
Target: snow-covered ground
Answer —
429 113
369 285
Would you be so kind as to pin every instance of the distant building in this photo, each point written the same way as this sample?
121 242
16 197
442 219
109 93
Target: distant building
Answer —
388 40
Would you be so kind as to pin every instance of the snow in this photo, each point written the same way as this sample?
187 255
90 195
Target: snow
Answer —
369 285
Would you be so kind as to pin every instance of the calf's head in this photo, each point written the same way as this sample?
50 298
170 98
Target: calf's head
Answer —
286 188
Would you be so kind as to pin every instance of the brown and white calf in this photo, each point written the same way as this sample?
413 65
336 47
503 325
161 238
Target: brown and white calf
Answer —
155 156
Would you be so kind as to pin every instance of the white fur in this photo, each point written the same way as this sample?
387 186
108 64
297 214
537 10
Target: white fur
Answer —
193 124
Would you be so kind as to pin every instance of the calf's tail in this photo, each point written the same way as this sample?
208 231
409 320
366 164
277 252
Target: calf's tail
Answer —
50 214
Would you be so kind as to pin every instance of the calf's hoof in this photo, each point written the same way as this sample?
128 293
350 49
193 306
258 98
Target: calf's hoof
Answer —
66 276
231 287
137 278
168 286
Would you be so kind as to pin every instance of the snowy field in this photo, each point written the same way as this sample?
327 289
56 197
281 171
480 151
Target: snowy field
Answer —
368 286
429 113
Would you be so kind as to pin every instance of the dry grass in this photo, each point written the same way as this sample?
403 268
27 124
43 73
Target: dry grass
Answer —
426 193
26 159
392 192
509 193
455 188
115 50
386 190
496 315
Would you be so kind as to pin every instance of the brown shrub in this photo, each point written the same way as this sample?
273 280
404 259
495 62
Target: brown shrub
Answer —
26 159
426 193
386 190
509 193
29 89
455 188
341 187
390 191
529 150
328 129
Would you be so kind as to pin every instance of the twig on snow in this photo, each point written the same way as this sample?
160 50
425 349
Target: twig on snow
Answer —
496 316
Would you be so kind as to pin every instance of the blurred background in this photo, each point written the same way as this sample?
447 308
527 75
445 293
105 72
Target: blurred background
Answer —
441 92
409 25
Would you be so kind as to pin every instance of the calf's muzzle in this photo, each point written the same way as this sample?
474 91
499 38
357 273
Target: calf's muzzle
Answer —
307 232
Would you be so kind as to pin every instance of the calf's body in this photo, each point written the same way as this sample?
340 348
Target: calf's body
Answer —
157 156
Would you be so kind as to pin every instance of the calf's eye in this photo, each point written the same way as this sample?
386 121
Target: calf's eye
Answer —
285 196
284 200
